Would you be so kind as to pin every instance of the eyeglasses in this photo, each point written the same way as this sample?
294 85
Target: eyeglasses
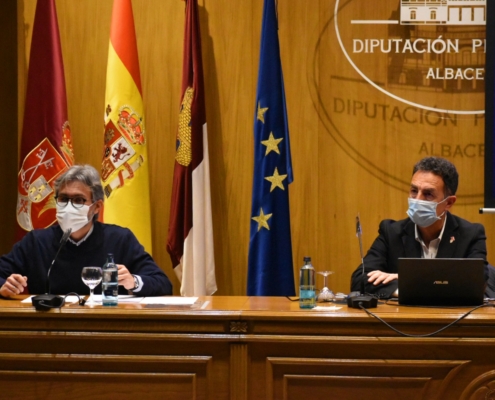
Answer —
77 202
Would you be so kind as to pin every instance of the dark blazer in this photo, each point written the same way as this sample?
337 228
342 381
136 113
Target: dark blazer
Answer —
460 239
490 283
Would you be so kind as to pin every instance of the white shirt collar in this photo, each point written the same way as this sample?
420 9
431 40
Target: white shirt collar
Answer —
78 243
432 249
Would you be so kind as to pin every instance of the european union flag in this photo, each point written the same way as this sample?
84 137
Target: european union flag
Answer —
270 249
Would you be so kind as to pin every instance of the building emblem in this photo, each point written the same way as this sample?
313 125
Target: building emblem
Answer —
425 46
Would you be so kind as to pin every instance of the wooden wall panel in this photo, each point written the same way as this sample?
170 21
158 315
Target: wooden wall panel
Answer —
9 118
344 163
230 65
358 378
83 376
299 24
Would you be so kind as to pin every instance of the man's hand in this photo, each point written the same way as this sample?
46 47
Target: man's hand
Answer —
14 284
126 279
376 277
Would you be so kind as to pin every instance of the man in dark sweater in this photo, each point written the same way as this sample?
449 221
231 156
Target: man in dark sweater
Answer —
79 198
431 231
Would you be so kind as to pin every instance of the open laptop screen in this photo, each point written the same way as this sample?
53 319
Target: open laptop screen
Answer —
441 281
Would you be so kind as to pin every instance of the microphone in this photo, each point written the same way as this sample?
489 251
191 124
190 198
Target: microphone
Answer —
46 301
362 300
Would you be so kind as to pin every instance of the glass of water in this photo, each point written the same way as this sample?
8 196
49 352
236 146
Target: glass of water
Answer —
325 294
91 276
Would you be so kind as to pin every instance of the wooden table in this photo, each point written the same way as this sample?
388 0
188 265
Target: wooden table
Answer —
244 348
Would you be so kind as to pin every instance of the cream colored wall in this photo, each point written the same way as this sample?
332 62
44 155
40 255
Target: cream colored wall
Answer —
332 183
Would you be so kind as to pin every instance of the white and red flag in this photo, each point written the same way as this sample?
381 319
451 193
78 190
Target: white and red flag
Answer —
190 234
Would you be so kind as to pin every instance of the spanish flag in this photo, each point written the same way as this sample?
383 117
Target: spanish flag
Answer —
124 169
190 232
46 144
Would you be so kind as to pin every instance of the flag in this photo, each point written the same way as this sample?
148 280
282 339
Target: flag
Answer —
46 144
190 231
124 169
270 270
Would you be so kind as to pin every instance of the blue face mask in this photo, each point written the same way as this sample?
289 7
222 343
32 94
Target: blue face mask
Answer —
423 213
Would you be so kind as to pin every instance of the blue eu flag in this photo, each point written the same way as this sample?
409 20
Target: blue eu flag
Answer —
270 251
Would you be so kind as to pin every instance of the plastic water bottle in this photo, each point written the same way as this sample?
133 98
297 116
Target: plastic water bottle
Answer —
307 288
110 282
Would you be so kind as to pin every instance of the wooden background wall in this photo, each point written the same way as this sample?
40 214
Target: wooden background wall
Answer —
343 163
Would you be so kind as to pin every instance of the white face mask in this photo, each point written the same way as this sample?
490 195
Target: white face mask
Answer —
72 217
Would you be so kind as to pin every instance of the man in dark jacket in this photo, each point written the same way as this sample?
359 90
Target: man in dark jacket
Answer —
79 198
430 231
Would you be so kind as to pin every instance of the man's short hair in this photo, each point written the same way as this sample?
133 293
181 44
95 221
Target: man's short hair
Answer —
87 175
443 168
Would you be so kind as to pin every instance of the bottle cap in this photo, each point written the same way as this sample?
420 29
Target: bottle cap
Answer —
307 259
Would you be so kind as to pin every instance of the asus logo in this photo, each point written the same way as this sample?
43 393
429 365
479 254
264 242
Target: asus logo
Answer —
441 282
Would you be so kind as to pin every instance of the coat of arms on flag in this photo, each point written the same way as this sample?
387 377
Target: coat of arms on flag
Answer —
35 202
118 148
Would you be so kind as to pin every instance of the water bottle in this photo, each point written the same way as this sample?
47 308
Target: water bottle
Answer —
307 288
110 283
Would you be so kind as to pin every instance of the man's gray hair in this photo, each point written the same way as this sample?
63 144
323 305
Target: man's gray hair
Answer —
87 175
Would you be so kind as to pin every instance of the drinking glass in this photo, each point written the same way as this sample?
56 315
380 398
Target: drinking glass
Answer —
325 294
91 276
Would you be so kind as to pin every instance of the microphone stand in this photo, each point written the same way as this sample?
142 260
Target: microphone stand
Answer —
363 300
46 301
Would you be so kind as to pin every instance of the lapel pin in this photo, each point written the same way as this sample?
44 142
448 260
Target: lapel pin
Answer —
452 239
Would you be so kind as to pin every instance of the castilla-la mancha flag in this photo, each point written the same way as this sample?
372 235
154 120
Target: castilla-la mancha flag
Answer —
124 170
46 144
190 232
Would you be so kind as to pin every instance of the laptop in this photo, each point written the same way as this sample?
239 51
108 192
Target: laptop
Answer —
441 281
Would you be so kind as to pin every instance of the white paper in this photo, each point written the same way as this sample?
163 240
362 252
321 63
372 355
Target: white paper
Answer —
170 300
330 308
130 299
123 298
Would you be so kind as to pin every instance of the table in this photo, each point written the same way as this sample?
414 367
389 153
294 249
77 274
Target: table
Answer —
244 348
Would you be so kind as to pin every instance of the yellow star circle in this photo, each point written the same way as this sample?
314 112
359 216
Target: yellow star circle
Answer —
262 220
276 180
271 144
